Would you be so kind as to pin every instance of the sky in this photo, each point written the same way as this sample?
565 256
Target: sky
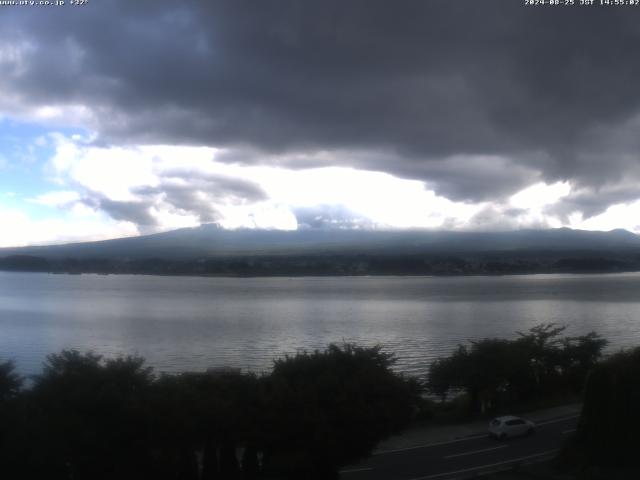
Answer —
121 118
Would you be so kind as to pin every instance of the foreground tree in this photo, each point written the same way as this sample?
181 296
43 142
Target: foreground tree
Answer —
328 409
606 439
10 381
497 372
11 419
488 371
207 416
88 418
579 356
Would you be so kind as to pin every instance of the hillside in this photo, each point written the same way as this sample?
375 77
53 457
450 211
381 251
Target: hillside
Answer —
211 250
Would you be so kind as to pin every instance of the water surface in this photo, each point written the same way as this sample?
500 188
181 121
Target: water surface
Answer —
191 323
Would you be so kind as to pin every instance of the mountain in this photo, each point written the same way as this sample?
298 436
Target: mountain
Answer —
210 240
267 252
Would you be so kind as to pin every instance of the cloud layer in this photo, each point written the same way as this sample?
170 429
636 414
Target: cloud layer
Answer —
478 100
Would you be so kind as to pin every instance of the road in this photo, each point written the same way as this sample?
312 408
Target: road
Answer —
464 457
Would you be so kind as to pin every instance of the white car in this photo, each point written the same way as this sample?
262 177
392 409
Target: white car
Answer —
510 426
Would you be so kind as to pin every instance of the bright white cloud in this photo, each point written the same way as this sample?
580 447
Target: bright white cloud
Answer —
63 115
22 230
57 199
525 209
384 199
144 177
264 215
624 215
111 171
540 195
169 220
119 173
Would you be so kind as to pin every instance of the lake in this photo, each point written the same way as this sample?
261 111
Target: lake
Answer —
191 323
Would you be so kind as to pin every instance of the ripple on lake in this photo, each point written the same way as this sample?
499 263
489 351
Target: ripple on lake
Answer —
191 323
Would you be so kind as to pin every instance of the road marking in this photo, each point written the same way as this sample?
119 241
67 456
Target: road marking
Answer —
568 431
463 439
435 444
482 467
557 420
354 470
476 451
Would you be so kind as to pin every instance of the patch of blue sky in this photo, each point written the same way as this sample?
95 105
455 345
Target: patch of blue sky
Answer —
25 148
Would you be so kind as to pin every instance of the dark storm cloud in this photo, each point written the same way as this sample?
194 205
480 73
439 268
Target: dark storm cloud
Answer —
592 202
476 98
179 191
137 212
197 193
230 189
181 199
496 218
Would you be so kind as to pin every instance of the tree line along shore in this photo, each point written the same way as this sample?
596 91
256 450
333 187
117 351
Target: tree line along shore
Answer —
472 263
89 417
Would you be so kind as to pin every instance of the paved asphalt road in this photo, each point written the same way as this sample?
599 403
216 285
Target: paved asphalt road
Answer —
464 457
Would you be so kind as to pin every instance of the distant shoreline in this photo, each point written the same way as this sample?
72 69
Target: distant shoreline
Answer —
327 266
214 252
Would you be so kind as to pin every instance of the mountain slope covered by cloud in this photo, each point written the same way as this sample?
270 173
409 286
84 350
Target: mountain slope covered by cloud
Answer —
476 101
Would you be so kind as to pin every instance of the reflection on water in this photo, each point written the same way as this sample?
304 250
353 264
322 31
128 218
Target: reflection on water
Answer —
191 323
